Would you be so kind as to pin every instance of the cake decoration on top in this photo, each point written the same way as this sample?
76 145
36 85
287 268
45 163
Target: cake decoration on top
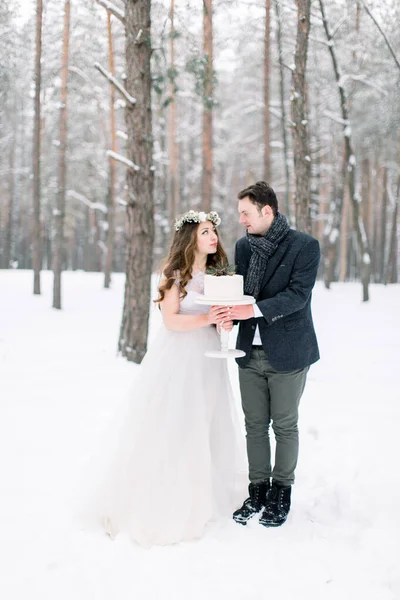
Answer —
220 270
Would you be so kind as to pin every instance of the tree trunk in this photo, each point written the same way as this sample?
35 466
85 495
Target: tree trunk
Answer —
173 147
140 225
358 223
302 161
9 211
366 203
36 237
382 252
286 159
344 238
112 165
267 70
376 215
161 207
316 165
358 16
207 106
391 269
59 213
333 230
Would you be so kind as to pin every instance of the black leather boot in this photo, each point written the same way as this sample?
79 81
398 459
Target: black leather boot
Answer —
254 503
277 505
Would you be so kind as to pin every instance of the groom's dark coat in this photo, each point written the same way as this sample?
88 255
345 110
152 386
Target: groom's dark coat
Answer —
286 328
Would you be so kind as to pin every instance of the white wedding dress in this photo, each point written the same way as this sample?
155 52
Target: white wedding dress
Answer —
169 464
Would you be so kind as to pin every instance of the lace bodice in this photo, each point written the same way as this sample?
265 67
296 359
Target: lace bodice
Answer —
194 288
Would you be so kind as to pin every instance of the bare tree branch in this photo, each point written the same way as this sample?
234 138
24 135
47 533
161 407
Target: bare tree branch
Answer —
383 34
123 160
338 25
361 79
114 10
336 118
111 79
93 205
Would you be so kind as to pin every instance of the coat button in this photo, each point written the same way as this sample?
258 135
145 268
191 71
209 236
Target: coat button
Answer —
253 326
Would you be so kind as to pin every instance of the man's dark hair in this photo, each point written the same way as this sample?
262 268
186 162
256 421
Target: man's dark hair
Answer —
261 194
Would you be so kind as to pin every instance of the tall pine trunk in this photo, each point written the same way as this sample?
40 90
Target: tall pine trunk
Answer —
59 213
36 237
366 204
302 161
207 106
140 180
267 71
283 109
384 206
358 223
173 147
391 268
112 165
333 230
5 260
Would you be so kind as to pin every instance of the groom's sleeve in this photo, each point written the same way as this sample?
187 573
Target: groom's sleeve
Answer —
301 283
236 261
257 312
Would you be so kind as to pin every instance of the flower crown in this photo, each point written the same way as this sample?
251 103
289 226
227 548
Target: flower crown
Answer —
193 216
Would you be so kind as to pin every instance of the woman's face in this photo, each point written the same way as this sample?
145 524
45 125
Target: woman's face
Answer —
207 239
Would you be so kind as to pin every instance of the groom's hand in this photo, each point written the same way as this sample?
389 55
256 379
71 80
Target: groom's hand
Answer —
239 313
227 325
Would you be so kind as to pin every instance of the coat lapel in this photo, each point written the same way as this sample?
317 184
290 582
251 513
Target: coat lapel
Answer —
274 262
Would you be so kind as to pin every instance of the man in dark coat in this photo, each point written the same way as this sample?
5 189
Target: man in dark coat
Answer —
279 266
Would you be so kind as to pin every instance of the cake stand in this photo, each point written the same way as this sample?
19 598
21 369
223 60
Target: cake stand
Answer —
225 351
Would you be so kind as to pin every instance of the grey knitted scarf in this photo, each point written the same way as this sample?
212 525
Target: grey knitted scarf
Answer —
262 248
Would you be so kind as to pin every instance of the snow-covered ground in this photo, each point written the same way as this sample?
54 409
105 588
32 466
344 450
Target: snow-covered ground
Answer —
60 381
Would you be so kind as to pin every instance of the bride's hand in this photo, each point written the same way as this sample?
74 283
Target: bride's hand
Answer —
215 315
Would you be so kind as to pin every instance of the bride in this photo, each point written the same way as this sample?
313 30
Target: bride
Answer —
167 469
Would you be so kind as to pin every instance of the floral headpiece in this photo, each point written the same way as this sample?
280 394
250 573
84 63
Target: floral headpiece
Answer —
193 216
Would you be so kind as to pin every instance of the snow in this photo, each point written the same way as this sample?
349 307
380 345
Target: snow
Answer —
363 232
60 382
123 160
113 8
333 236
122 134
114 81
366 259
93 205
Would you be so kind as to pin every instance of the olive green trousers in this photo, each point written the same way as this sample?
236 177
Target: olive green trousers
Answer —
269 397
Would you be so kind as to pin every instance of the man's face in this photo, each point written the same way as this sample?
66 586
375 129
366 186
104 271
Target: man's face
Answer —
257 222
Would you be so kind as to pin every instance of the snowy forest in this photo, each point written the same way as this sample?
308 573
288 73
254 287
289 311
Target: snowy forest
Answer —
97 161
117 116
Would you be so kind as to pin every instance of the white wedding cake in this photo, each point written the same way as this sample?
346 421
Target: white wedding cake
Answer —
223 287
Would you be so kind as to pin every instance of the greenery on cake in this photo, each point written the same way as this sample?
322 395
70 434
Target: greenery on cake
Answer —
221 270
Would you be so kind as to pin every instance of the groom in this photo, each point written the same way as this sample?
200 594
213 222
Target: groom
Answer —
279 266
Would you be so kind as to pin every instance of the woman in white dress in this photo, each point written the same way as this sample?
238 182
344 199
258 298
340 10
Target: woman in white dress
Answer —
169 467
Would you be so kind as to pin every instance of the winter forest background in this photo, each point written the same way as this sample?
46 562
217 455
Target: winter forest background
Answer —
108 129
81 190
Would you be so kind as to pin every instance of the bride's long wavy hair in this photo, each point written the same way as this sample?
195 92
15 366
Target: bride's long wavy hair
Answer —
180 259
